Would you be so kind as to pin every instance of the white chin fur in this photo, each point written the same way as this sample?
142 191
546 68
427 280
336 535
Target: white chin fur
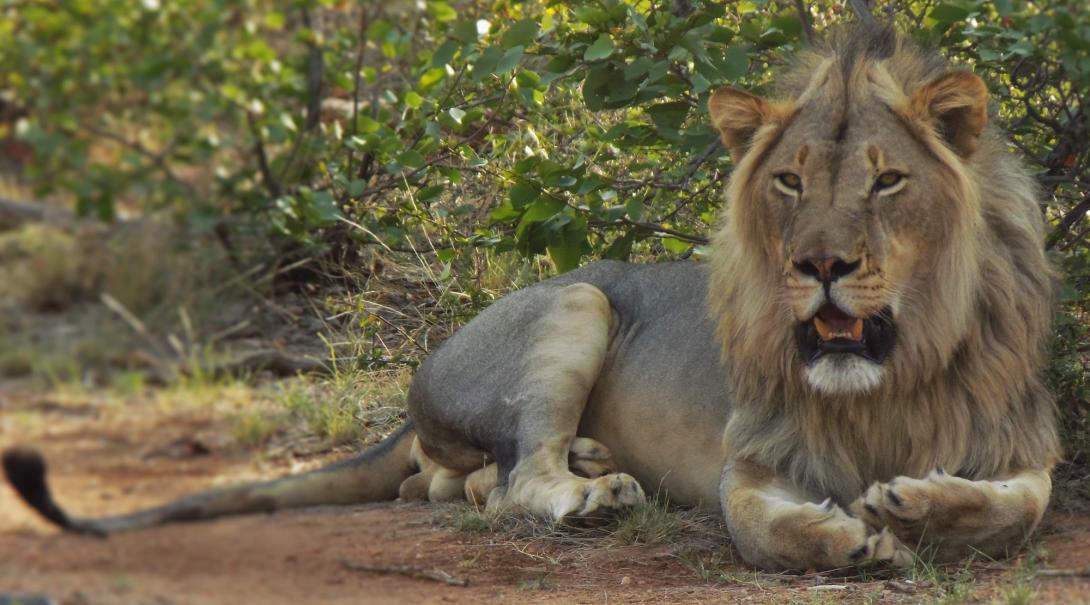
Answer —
844 374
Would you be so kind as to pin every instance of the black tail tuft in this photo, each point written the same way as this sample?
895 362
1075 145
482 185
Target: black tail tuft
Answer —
25 470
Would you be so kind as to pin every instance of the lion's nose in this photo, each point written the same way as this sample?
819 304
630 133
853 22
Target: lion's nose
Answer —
825 268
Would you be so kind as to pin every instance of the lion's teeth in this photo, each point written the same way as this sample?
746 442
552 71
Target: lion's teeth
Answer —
857 330
825 332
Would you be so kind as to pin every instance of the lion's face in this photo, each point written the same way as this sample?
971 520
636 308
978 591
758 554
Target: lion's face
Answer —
844 196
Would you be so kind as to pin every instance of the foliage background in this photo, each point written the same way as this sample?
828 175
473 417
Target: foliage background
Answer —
293 141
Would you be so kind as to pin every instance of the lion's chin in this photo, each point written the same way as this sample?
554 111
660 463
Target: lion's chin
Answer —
843 374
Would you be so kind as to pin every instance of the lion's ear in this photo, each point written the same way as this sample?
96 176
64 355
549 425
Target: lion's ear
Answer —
956 105
737 115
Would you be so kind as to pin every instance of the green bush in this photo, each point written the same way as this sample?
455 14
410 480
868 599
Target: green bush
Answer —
583 125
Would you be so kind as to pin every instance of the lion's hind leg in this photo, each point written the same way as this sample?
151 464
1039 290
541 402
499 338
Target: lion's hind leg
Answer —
586 457
560 369
525 415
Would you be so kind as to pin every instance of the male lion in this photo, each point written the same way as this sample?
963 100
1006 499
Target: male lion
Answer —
878 295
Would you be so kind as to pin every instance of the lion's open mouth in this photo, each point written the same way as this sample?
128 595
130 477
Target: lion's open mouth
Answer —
831 330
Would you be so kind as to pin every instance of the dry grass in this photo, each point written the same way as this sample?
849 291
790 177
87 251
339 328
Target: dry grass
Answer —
654 523
344 407
81 303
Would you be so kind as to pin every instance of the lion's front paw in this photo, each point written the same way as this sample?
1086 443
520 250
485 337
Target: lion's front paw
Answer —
817 536
913 508
884 548
844 540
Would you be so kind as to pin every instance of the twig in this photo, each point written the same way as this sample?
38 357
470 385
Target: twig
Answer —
354 126
862 10
687 237
1064 573
14 213
1069 220
315 69
804 17
134 322
277 363
159 159
417 573
262 158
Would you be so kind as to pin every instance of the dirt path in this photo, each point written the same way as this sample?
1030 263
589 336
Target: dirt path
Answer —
105 462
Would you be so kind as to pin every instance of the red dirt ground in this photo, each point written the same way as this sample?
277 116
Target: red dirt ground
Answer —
110 463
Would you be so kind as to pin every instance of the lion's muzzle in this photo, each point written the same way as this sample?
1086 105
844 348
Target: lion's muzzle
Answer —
832 331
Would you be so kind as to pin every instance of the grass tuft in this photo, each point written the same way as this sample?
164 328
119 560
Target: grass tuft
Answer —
254 428
653 522
343 407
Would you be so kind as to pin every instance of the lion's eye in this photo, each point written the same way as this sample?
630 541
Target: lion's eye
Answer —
888 182
789 180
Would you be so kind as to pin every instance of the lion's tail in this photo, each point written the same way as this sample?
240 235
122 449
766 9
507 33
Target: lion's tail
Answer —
372 476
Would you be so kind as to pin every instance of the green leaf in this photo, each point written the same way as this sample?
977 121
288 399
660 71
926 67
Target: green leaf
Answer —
668 118
621 248
486 63
410 158
413 99
591 15
432 76
675 245
504 213
444 54
429 193
946 13
327 209
559 64
735 62
789 24
523 193
465 31
522 33
566 254
540 210
602 48
509 61
569 244
599 84
441 11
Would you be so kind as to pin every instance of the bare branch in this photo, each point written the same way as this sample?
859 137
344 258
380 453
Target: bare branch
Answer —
1069 220
654 228
417 573
267 177
353 127
804 17
14 213
315 69
862 10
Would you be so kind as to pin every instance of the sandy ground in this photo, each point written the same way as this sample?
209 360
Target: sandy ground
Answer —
108 462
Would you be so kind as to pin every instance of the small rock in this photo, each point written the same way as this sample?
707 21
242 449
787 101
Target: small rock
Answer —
904 587
625 581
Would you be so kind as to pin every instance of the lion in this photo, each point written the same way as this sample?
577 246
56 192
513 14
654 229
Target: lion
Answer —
851 378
